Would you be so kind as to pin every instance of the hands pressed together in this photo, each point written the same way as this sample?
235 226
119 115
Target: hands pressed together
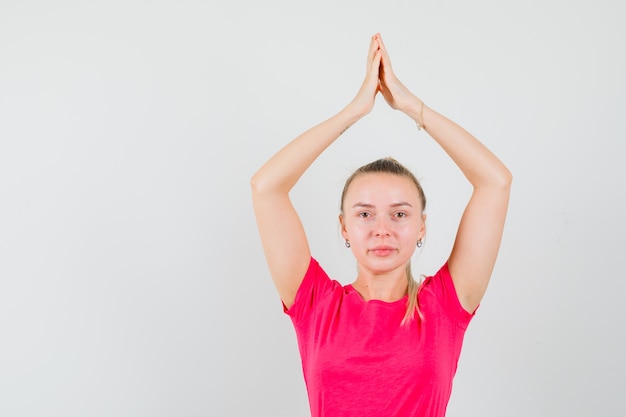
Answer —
379 77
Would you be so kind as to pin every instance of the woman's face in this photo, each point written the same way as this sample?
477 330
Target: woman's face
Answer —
382 219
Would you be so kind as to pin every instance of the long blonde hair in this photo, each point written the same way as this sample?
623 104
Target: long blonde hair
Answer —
391 166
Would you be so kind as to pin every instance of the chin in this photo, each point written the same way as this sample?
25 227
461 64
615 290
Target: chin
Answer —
382 266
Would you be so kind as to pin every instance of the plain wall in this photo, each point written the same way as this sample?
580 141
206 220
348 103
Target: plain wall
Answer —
132 280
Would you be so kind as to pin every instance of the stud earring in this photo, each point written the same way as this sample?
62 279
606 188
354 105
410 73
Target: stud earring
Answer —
420 243
347 243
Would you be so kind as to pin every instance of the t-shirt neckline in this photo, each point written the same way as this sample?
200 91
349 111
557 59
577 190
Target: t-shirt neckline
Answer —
350 290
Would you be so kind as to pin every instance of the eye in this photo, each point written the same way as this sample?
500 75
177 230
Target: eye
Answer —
400 214
364 214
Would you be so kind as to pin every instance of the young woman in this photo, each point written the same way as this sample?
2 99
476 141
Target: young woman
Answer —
383 345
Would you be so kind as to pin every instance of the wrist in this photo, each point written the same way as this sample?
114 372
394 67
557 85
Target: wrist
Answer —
414 108
353 112
345 119
416 112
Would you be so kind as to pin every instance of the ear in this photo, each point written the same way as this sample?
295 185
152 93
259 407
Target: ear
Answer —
422 229
342 224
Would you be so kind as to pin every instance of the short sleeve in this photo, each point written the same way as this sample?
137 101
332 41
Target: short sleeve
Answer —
442 286
314 287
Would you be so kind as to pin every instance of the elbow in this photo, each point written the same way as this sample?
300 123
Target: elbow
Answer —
497 181
506 178
502 181
256 183
501 177
261 184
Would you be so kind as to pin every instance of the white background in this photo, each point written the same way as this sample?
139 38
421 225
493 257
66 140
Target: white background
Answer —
132 281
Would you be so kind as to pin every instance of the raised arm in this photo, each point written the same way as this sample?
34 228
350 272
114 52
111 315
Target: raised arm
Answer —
282 234
479 235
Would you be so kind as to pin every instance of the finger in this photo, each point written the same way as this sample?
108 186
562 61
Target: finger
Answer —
371 77
385 58
372 50
375 65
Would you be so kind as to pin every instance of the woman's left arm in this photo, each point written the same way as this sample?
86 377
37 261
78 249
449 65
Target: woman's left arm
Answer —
479 235
478 238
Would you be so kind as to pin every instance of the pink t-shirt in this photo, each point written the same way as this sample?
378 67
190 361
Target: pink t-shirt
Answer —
358 361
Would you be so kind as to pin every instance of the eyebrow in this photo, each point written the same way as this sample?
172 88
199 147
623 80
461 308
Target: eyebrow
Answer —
367 205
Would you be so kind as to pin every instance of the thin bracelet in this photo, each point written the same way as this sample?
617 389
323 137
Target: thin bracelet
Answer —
420 123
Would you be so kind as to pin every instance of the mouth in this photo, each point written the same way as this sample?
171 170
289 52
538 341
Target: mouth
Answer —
382 250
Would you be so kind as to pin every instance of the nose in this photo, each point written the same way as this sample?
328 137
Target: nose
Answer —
382 227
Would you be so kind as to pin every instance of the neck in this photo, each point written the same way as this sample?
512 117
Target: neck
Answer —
389 287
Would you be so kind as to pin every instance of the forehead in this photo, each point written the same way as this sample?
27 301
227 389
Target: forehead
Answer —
382 187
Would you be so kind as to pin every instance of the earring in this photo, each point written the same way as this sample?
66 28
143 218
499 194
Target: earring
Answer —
347 243
420 243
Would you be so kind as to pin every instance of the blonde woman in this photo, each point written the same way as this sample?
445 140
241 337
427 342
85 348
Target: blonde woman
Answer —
383 345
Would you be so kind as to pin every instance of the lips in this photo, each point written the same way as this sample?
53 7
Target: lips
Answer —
382 250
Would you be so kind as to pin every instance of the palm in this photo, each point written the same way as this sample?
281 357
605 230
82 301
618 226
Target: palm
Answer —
380 77
390 91
394 92
365 98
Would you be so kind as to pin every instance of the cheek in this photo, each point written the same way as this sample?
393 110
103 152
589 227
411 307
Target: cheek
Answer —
410 231
357 231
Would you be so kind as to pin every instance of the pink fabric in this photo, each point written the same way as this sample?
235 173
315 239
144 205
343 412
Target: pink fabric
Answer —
357 359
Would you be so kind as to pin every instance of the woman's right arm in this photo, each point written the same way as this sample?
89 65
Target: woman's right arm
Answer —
282 234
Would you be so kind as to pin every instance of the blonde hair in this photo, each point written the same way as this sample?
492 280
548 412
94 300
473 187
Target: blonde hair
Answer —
391 166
